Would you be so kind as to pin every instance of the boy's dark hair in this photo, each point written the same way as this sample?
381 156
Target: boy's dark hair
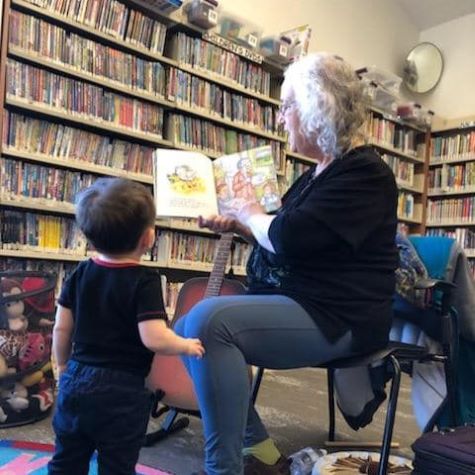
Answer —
113 213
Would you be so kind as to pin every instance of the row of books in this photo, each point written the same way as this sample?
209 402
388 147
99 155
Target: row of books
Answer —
46 233
31 231
390 134
182 248
402 169
452 177
170 291
464 236
47 41
25 180
111 18
210 138
203 56
405 205
34 136
460 146
293 169
84 100
451 210
192 91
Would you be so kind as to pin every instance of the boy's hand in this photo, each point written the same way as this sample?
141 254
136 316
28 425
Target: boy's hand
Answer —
194 347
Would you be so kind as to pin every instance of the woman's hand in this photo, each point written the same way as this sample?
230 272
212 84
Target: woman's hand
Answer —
218 224
246 210
227 224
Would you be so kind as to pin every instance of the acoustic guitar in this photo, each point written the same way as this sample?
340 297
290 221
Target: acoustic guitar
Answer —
168 373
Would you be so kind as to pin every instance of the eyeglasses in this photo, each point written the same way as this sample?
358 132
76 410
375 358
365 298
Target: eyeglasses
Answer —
285 106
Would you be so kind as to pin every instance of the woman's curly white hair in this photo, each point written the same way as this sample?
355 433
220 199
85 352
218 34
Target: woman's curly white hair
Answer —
330 99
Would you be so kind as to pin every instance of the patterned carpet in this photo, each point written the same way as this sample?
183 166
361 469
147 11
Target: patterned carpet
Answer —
293 405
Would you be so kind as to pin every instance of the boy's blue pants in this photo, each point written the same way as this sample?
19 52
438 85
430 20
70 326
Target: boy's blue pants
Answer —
99 409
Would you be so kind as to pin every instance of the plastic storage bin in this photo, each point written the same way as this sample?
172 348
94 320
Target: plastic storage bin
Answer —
382 98
299 38
413 112
26 322
166 6
389 81
239 30
202 13
275 48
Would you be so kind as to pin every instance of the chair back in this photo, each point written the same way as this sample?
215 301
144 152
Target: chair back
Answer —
434 252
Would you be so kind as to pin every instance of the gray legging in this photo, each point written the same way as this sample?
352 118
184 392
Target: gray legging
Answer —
271 331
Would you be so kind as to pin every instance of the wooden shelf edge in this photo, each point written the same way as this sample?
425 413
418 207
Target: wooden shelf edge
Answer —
79 165
94 122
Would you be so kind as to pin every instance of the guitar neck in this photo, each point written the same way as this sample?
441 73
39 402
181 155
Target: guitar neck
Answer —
216 277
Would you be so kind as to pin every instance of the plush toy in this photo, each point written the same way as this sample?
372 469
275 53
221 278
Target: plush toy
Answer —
32 352
16 396
38 376
10 346
39 307
3 416
14 309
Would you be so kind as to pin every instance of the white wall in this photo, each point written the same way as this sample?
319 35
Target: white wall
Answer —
454 96
377 32
364 32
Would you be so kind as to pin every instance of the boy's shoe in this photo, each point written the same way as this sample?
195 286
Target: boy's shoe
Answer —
253 466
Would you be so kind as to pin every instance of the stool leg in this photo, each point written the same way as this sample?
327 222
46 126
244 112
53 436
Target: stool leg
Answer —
331 404
256 384
390 416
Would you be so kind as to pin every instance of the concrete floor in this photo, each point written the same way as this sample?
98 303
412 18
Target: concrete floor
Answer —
293 405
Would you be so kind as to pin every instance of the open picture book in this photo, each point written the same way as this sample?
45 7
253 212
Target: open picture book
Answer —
190 184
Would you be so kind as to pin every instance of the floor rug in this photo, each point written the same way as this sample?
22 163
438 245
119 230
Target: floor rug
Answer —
31 458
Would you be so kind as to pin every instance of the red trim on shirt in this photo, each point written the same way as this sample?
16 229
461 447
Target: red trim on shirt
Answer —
101 262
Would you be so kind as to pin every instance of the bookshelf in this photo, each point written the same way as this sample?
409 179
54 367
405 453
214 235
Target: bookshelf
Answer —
90 97
404 147
451 191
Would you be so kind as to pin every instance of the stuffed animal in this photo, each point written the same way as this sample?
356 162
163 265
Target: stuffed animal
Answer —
38 376
39 308
14 309
32 352
10 346
16 396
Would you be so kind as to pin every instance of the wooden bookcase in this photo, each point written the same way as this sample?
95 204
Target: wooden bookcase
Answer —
404 146
163 101
451 191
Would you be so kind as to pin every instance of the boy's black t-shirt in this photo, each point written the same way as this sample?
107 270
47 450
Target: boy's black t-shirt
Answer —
108 301
334 239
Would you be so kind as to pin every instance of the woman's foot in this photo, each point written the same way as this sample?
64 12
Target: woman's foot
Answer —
253 466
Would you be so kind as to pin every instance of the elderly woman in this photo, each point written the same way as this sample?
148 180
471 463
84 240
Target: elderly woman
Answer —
321 274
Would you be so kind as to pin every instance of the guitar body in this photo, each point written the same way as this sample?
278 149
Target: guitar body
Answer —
168 373
193 291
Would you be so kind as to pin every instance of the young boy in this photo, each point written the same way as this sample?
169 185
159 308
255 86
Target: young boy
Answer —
110 321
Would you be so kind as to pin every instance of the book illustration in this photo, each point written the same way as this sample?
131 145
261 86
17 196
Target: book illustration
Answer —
247 176
189 184
183 184
185 181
